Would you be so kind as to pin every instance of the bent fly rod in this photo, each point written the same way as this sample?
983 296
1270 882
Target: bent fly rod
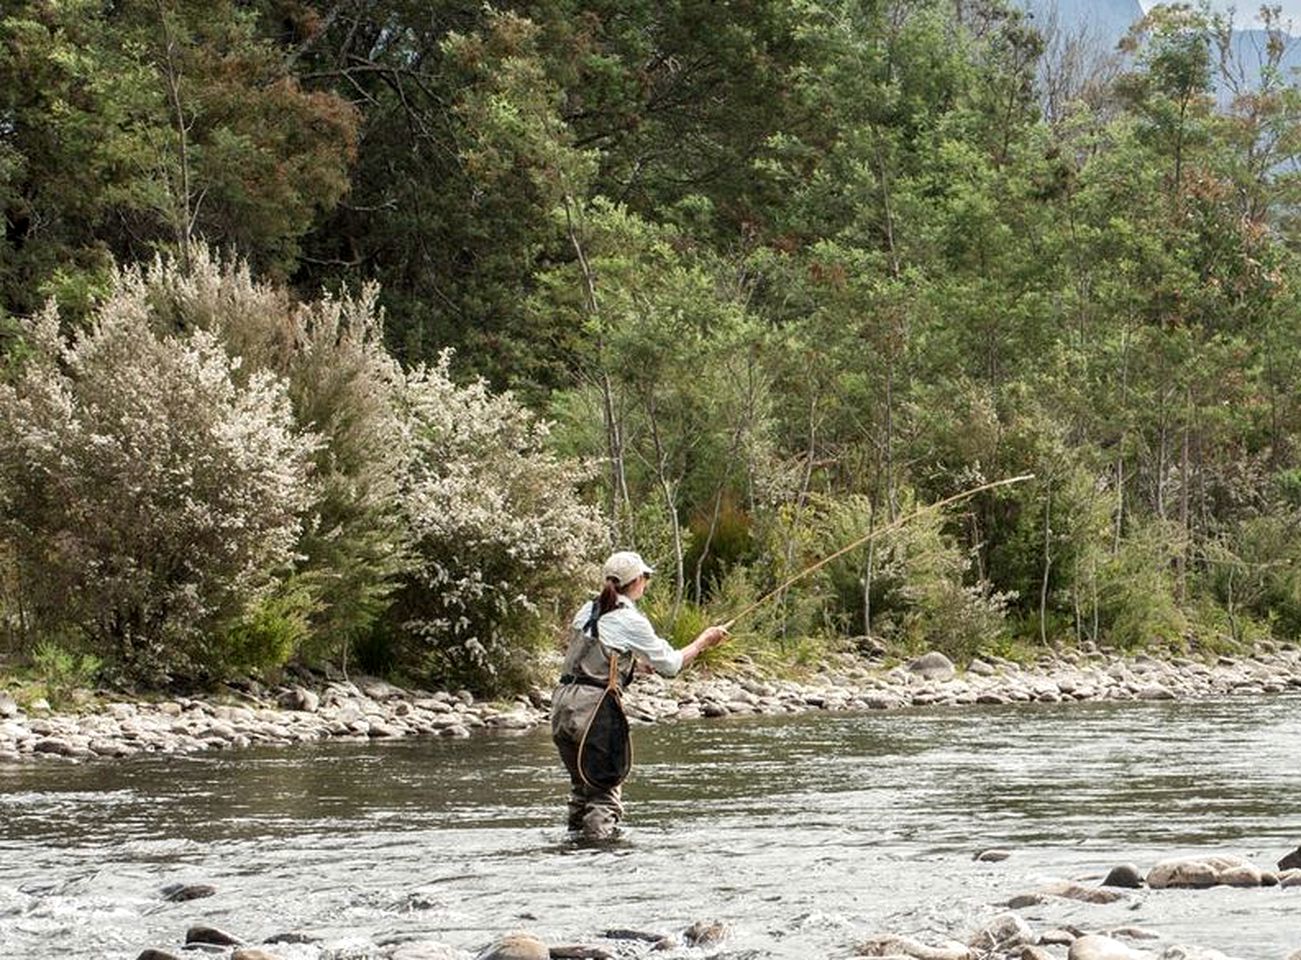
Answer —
895 525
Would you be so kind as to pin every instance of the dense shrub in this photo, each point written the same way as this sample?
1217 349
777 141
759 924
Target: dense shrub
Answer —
919 590
1136 590
345 387
151 489
497 527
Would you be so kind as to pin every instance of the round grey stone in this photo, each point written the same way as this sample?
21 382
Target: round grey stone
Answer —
1126 875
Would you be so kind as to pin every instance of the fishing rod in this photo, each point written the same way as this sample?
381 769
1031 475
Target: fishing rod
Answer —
872 536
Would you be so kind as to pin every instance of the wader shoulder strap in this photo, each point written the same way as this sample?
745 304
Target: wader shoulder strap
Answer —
593 629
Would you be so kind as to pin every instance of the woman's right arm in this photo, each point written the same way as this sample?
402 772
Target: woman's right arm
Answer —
708 638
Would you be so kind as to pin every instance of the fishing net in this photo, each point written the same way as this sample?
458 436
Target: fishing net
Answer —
605 752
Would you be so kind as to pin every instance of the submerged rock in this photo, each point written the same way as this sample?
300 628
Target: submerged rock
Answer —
705 933
1126 875
992 856
252 953
1098 947
177 892
889 945
199 933
1069 890
425 950
1292 861
152 954
1005 931
580 952
292 936
516 946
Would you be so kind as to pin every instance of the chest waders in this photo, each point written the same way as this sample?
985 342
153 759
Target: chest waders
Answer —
605 748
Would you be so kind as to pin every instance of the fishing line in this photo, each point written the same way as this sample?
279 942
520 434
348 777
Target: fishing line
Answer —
889 527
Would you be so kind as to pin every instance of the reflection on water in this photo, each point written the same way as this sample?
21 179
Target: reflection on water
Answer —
804 833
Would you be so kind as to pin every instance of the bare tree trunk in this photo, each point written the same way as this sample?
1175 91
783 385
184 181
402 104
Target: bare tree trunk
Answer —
613 427
1160 464
709 542
867 580
891 494
802 498
1048 563
184 223
1182 558
669 489
1120 452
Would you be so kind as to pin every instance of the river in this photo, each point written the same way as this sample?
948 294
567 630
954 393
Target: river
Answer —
805 834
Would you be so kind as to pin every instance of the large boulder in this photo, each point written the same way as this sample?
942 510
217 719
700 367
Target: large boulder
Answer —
1183 874
1292 861
932 666
1205 872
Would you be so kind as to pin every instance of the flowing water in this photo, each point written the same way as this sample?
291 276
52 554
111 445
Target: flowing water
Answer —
804 833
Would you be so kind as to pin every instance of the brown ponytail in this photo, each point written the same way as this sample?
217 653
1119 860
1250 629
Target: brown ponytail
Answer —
609 598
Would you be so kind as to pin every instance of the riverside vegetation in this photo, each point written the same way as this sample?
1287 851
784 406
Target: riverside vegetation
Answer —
502 285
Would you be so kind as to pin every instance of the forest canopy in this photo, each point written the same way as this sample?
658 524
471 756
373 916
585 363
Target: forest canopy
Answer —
385 319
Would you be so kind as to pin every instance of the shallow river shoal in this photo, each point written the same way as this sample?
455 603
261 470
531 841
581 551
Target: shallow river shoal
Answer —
805 833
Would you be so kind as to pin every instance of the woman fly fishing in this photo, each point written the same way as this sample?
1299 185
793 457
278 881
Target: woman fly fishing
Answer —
608 639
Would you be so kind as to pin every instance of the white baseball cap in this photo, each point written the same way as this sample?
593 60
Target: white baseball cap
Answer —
624 567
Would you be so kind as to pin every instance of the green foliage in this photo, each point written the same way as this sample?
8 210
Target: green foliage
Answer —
62 671
779 272
269 633
1137 605
344 387
908 584
143 125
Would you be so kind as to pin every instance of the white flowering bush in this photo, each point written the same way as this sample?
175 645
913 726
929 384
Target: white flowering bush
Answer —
151 490
345 387
498 528
214 477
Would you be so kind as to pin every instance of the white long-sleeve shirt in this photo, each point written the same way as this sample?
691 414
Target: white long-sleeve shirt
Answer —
626 629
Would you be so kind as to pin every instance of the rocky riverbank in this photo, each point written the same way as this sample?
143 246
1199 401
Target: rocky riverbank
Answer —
316 708
1006 935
